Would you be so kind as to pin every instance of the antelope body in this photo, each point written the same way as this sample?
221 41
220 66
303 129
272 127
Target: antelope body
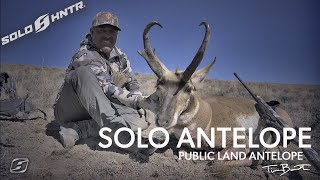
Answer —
181 106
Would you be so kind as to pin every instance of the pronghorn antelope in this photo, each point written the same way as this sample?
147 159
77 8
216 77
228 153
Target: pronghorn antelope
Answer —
181 106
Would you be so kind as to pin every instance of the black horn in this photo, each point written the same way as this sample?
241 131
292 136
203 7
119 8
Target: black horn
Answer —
198 57
153 61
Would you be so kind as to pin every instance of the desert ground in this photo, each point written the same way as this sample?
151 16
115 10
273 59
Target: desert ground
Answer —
36 140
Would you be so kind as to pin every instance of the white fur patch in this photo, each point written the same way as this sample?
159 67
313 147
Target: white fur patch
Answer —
249 121
192 126
209 122
186 117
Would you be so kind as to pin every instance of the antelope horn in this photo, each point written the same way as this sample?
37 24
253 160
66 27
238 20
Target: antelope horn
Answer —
155 64
198 57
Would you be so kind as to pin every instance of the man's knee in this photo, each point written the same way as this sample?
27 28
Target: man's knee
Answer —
83 72
83 76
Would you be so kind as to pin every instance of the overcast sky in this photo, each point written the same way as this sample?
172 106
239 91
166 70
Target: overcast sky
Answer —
265 41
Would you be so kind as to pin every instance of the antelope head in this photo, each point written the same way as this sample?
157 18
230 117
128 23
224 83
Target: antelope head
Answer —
175 89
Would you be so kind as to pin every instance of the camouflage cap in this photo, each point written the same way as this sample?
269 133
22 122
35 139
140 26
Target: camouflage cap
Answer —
105 18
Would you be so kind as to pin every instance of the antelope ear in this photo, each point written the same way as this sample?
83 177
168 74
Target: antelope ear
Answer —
199 75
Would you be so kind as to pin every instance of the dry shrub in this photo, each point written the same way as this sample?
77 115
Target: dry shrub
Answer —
41 83
301 101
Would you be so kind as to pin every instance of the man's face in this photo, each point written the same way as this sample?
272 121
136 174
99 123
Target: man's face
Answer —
104 37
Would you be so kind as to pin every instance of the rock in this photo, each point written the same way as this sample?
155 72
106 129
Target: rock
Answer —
155 174
176 158
168 153
114 162
5 142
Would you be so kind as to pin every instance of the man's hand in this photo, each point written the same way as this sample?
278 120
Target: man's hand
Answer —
141 112
148 115
148 102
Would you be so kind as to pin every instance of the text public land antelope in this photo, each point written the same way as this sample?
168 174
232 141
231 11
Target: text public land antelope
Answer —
181 106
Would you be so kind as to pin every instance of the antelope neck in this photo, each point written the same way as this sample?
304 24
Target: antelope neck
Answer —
194 109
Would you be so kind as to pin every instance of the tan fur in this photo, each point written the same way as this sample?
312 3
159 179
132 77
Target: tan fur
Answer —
221 111
216 111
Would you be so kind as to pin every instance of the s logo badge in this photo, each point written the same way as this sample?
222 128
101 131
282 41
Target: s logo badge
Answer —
19 165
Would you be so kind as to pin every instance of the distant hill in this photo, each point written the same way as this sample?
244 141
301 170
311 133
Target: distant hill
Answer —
49 160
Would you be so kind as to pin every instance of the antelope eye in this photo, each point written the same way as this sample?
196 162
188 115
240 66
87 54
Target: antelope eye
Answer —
160 82
159 87
188 89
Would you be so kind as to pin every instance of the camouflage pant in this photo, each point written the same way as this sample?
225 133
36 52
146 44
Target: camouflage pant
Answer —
81 103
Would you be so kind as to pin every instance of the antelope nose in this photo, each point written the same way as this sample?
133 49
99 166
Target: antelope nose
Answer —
161 123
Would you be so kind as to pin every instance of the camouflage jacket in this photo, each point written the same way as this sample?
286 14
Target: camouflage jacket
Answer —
114 73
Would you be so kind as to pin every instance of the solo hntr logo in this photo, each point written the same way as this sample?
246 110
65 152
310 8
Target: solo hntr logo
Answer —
19 165
41 23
